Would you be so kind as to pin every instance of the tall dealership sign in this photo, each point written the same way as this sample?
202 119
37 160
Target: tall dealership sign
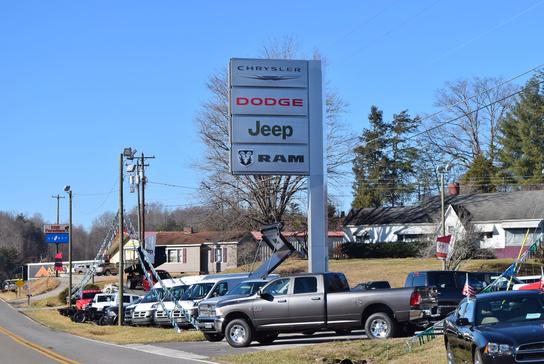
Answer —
276 128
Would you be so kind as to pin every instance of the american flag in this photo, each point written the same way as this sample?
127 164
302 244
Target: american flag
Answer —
468 290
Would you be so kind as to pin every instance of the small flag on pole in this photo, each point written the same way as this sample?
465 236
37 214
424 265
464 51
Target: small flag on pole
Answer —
442 246
468 290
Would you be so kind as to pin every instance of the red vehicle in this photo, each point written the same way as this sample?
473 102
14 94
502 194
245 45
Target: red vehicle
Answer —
85 297
162 275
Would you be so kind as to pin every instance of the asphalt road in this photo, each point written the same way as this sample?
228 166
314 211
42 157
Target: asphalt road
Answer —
23 341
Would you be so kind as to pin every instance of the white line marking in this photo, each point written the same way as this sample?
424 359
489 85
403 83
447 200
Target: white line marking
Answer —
171 353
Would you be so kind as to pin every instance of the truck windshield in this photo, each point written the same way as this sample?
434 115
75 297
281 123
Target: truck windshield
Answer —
197 291
246 288
175 292
153 296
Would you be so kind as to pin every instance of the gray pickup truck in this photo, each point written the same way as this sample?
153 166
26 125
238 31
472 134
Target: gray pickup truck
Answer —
308 303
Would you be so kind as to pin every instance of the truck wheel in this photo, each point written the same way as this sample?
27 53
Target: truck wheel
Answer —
212 337
266 338
238 333
103 321
79 317
380 326
107 273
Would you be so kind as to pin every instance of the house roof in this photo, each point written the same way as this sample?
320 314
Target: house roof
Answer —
179 237
498 206
298 234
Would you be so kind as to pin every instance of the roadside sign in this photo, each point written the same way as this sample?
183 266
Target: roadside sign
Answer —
19 283
442 246
56 233
270 107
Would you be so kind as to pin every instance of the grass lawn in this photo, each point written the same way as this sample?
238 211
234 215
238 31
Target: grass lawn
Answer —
375 351
112 334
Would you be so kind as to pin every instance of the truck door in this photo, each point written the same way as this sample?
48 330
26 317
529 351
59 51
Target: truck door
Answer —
306 304
271 310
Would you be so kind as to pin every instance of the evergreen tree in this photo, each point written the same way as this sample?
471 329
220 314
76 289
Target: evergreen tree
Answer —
370 162
403 157
521 139
479 176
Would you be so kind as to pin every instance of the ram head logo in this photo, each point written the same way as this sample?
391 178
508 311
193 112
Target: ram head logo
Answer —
245 156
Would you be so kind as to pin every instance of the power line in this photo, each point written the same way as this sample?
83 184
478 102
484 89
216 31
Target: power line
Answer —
172 185
468 112
493 28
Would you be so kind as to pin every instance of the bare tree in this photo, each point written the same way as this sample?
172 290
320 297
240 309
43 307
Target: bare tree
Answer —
478 106
263 199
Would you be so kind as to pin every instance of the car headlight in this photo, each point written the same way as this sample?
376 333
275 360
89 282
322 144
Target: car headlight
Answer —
498 349
218 311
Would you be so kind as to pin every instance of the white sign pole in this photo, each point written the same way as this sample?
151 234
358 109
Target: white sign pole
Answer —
318 252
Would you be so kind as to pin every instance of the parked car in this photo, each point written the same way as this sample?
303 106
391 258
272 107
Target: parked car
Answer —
85 297
315 302
144 311
161 313
110 314
107 268
80 268
136 277
449 285
500 327
95 309
9 285
243 289
371 285
212 286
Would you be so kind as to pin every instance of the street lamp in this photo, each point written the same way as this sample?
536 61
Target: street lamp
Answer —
442 170
69 191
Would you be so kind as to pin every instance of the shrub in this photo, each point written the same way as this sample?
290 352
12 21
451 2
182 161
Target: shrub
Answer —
382 250
91 286
63 294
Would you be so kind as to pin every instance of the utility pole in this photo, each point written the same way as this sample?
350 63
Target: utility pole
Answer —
442 213
142 212
69 191
143 181
58 197
121 270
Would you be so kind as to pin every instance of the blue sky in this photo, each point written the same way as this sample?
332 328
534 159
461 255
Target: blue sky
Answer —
81 80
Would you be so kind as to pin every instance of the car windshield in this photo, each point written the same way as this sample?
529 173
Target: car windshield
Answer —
152 296
197 291
510 309
246 288
175 292
87 296
107 298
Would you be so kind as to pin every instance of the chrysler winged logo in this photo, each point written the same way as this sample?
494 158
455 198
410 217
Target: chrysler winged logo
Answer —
245 156
271 77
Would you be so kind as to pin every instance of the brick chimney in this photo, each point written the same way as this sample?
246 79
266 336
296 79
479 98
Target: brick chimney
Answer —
188 230
453 189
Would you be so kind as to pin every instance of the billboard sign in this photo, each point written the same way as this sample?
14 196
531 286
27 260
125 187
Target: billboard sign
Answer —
270 119
56 234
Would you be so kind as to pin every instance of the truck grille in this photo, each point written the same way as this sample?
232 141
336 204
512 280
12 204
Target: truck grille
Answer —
164 314
533 352
139 314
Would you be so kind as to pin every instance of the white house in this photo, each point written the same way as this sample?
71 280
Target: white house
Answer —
501 219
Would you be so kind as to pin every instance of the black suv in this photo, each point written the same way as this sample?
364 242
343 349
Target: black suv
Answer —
449 285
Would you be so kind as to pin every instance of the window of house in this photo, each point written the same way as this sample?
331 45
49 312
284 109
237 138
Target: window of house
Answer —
218 255
486 235
177 255
515 237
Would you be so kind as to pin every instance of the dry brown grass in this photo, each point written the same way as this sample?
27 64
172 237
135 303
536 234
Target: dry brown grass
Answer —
373 351
36 287
112 334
